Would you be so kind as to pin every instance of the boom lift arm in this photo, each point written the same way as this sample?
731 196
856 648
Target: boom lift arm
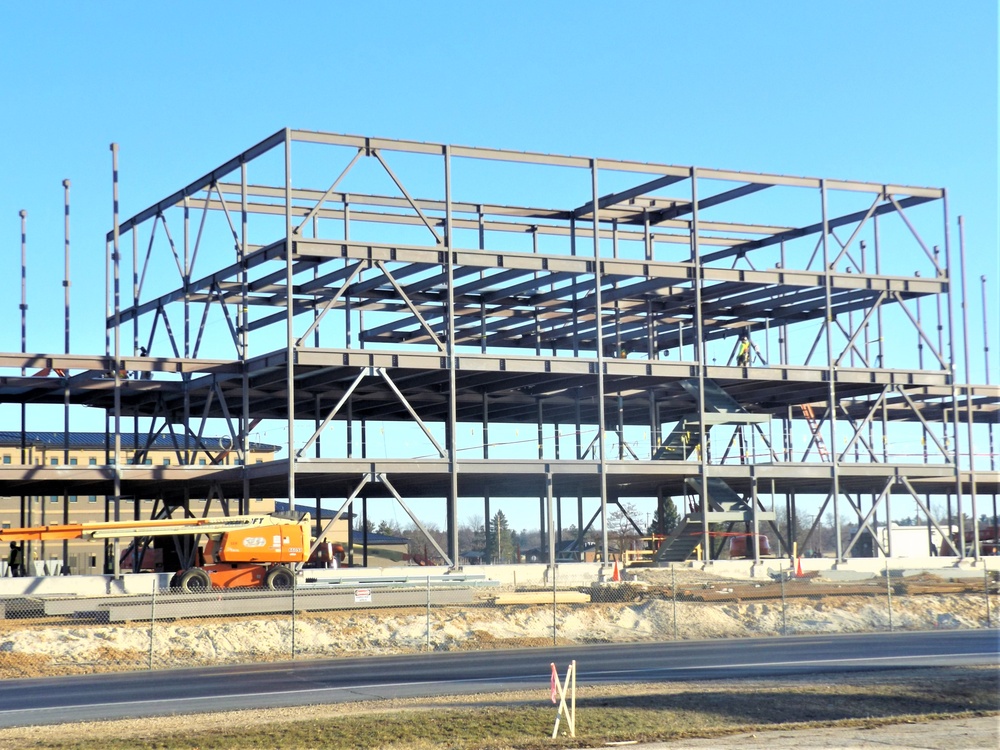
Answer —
239 551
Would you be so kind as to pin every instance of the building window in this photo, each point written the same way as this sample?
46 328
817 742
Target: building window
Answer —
72 462
238 461
92 462
260 460
201 462
6 459
72 498
54 499
92 499
54 461
166 462
148 462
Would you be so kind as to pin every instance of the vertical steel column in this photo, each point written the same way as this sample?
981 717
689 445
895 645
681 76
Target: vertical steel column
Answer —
986 356
540 437
698 350
599 337
452 509
954 385
881 347
136 512
186 377
986 362
551 527
290 351
968 390
832 389
66 350
486 456
756 522
25 500
244 339
116 266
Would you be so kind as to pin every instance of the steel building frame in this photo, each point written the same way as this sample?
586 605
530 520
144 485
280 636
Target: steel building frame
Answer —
599 319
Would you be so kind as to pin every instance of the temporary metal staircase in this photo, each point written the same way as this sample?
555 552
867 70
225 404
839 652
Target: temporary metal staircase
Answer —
681 543
687 433
724 505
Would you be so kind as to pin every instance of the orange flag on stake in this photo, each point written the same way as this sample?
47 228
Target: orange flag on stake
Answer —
555 682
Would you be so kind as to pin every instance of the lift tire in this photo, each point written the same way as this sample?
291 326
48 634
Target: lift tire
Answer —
194 580
279 578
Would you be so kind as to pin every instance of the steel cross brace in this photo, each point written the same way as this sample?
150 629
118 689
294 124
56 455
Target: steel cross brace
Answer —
860 327
916 234
947 539
336 516
918 415
315 209
331 302
845 245
416 313
385 480
916 324
427 223
864 524
859 426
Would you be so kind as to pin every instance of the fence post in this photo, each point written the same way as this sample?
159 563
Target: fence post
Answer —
295 585
784 607
673 595
152 621
554 597
986 582
888 591
428 629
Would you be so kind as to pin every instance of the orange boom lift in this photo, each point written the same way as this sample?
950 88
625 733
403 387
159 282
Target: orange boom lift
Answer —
257 551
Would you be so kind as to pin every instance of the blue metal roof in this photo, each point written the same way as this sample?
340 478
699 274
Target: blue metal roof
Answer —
98 441
376 538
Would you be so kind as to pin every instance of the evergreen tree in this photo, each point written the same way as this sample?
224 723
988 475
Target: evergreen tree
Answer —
501 539
670 518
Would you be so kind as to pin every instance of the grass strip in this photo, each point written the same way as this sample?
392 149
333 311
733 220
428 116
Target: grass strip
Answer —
605 714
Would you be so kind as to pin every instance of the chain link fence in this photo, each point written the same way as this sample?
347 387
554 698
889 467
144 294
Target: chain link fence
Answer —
165 628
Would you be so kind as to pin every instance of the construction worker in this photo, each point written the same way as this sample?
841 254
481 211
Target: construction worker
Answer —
145 374
15 560
743 351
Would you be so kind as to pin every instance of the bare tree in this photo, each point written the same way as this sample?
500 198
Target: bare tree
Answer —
621 526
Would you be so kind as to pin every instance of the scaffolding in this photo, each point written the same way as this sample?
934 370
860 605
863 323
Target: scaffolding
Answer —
457 294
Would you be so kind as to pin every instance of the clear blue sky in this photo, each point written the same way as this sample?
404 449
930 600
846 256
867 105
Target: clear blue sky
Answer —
896 90
901 91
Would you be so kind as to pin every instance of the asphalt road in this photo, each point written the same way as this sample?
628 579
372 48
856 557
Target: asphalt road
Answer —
181 691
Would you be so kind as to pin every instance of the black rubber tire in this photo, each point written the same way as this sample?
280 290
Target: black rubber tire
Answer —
194 580
279 578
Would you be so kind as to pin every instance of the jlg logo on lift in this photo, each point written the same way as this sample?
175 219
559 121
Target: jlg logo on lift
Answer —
252 542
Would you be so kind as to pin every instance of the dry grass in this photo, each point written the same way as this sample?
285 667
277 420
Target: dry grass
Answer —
652 712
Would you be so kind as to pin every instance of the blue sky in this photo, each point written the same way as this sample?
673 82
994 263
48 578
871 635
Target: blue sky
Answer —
886 91
901 91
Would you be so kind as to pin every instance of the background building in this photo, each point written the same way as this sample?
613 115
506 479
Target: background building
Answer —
90 449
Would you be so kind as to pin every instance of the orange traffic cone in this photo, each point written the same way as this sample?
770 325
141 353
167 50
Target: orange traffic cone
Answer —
614 573
798 568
